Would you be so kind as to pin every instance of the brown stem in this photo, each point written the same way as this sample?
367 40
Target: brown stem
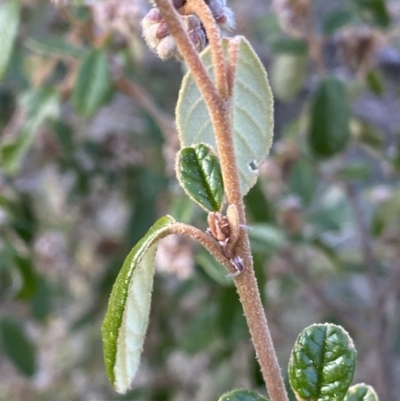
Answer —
200 8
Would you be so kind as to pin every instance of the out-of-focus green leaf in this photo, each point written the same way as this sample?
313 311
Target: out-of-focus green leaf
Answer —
288 75
9 22
41 302
125 324
257 204
242 395
374 11
361 392
290 46
93 84
182 209
199 174
303 181
17 346
367 134
322 363
266 238
252 112
213 268
336 20
330 118
375 82
354 171
55 47
38 105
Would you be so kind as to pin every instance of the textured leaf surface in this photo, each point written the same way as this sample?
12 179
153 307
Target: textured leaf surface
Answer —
322 363
17 346
242 395
93 85
9 22
199 173
330 118
361 392
127 316
252 111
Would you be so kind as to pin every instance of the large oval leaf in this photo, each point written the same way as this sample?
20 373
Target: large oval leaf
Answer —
9 22
361 392
242 395
199 174
93 84
330 118
322 363
127 316
252 112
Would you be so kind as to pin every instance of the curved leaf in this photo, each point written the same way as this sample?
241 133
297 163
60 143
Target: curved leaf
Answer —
242 395
9 22
199 173
17 346
252 112
93 83
322 363
125 324
361 392
330 118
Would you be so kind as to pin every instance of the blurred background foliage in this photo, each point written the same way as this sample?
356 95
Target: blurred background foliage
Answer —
87 149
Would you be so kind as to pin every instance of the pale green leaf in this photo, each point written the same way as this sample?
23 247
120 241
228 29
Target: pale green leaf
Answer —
9 22
242 395
288 75
361 392
125 324
252 112
55 46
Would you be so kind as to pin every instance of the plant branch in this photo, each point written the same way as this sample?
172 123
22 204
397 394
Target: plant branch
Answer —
200 8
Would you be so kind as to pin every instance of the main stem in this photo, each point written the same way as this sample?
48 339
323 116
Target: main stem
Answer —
220 113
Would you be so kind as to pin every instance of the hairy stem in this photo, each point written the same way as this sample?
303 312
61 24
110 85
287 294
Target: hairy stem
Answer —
246 282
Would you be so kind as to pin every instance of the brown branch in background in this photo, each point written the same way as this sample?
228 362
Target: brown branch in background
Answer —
377 312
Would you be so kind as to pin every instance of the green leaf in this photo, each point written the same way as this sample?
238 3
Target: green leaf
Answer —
322 363
199 174
361 392
336 20
9 22
242 395
93 85
17 346
355 171
38 105
330 118
289 46
303 180
288 76
374 11
213 268
125 324
55 46
252 112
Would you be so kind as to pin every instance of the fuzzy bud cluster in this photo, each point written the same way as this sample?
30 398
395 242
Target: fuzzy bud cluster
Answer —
292 16
157 35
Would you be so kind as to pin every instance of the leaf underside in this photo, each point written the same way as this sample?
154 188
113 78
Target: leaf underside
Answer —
125 324
199 173
322 363
242 395
252 112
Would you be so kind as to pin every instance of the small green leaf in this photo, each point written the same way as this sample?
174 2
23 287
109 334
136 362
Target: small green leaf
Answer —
17 346
55 46
199 174
252 112
336 20
361 392
125 324
242 395
290 46
355 171
288 75
322 363
9 22
93 85
330 118
303 180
